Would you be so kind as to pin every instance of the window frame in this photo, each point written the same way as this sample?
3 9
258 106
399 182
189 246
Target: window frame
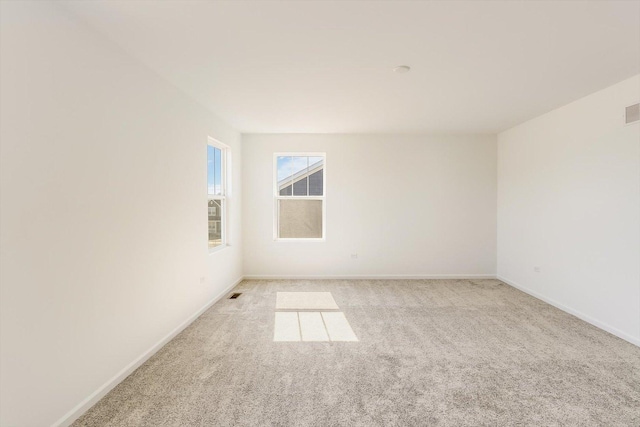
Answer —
225 152
277 197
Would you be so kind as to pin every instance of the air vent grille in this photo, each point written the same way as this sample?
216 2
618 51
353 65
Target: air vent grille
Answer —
632 114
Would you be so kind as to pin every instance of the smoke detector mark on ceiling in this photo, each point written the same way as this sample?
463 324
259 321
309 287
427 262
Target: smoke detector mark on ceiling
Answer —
401 69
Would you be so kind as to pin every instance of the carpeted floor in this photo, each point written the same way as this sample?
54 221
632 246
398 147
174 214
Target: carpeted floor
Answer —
430 353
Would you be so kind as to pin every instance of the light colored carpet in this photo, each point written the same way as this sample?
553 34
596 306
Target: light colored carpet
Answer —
430 352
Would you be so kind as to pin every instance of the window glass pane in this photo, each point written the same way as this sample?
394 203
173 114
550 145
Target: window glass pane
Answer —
284 167
292 175
215 223
300 187
210 169
218 170
316 162
299 219
300 168
316 183
285 191
316 171
284 172
214 170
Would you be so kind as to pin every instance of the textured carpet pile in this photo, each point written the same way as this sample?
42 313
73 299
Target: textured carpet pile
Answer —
430 353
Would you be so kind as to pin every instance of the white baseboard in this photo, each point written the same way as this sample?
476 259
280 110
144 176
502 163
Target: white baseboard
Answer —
94 397
369 277
597 323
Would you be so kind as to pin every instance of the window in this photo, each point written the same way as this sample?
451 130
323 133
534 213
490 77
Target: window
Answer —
299 196
217 192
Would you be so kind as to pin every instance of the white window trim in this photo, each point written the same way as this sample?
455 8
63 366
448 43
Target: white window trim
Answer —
277 196
225 152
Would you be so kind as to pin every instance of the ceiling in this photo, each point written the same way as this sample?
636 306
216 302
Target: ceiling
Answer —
326 66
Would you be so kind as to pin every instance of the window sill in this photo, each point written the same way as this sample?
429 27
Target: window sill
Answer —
218 248
322 240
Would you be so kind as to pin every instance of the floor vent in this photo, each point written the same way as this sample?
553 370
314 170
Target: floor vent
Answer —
235 295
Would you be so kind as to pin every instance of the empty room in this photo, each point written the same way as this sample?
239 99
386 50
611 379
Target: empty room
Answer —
319 213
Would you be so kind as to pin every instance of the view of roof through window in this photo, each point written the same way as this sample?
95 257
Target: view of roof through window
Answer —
300 175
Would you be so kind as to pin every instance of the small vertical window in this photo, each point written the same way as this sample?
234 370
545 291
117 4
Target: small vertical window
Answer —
300 196
217 192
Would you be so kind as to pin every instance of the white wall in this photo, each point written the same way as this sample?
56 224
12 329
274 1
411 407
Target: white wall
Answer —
569 203
103 212
407 205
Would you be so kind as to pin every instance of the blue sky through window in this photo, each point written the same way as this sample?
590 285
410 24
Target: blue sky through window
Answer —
289 166
214 170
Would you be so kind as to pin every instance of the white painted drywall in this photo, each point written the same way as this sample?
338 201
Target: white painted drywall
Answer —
103 212
326 66
407 205
569 203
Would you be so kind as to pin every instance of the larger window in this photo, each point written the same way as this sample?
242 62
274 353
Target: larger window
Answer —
299 196
217 192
